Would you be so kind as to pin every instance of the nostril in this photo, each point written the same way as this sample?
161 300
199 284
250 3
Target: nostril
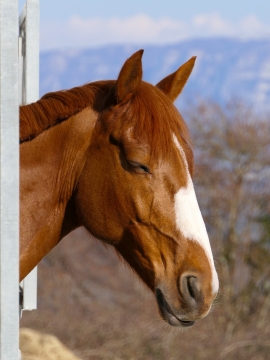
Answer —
193 287
190 288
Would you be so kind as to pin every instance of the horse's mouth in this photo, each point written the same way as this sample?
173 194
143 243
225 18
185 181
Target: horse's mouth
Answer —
168 314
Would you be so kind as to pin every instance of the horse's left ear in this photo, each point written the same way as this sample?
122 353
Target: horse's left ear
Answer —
173 84
129 77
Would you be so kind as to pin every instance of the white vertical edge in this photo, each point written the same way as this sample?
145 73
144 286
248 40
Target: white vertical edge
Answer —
30 93
9 178
32 51
30 291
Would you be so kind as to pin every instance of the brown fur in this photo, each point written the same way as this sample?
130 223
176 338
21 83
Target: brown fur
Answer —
152 125
102 156
53 108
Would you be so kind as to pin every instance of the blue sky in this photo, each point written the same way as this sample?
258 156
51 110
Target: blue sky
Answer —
81 23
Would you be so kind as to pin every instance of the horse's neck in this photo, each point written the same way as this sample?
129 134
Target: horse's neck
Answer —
50 167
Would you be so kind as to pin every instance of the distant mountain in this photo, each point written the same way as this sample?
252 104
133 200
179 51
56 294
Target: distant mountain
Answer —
225 68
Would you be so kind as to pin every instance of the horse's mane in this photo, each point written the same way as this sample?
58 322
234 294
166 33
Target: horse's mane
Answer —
150 113
58 106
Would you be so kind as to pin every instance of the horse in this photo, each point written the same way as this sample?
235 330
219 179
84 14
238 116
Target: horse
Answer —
116 157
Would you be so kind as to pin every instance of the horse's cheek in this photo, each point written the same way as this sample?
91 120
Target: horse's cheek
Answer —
98 204
143 201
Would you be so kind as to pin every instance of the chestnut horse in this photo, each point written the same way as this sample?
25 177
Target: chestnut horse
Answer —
115 157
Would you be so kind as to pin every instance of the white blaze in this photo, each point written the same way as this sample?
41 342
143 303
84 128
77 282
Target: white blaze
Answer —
189 218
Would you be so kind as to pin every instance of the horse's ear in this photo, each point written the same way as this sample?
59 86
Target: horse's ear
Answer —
173 84
130 77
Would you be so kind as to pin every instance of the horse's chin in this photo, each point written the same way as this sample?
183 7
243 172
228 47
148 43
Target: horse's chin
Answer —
167 314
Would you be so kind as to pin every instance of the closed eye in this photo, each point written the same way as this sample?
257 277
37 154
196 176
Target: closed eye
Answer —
138 168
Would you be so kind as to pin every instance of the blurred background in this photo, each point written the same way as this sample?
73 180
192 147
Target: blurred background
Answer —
87 297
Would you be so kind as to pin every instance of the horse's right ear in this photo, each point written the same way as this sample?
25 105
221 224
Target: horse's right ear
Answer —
129 77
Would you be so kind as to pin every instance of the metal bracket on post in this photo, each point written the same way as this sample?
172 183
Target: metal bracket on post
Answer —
29 87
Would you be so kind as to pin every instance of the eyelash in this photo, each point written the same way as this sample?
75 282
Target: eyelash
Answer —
138 166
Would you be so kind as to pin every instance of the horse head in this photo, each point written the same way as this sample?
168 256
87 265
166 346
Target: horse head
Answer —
136 192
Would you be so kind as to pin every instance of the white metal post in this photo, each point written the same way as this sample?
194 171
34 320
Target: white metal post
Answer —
9 181
29 78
